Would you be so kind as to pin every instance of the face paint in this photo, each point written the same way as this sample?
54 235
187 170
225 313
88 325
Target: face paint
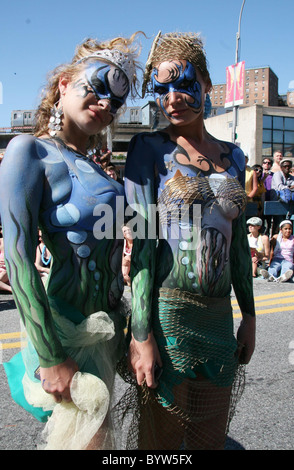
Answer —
176 76
108 82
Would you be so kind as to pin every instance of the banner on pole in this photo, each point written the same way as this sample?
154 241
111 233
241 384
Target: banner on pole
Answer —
235 84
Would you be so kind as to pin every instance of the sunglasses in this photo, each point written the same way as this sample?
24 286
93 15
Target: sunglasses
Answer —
266 163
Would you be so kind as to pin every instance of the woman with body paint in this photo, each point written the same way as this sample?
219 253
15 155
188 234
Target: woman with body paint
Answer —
183 351
75 323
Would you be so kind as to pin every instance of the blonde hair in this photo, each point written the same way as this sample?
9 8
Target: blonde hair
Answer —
187 46
51 94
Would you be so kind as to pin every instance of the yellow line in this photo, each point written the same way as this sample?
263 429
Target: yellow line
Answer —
269 296
236 310
268 302
10 345
16 334
268 310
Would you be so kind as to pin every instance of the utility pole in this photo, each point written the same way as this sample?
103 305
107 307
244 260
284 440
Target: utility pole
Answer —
236 62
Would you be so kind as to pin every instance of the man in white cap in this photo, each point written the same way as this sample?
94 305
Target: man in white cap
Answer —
283 179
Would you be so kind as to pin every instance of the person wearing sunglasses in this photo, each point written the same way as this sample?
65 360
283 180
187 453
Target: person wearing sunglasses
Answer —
282 188
267 177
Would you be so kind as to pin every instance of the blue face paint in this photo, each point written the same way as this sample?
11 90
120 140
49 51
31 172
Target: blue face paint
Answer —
108 82
176 76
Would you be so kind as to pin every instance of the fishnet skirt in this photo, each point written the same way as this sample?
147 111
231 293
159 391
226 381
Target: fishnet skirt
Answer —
201 380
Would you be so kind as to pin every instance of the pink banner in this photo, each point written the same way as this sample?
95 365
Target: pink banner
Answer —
235 75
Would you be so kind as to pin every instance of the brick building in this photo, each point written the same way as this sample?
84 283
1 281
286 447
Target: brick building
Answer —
260 87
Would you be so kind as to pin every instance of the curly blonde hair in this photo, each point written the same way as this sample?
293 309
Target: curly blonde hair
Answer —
51 94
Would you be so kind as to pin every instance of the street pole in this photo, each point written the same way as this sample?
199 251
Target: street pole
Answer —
236 62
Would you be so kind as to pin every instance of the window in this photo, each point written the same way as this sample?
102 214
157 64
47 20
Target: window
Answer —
289 137
278 134
278 122
267 135
267 122
289 124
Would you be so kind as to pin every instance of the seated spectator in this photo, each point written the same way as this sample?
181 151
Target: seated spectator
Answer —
127 251
282 180
4 281
282 188
267 176
259 245
282 255
251 184
111 171
278 156
259 196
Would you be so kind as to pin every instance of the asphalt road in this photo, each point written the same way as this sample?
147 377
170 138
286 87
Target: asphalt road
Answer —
264 417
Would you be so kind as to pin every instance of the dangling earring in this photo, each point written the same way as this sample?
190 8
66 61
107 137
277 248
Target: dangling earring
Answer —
55 120
207 106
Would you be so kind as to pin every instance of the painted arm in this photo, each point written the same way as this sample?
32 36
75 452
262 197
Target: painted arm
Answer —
139 186
21 189
241 269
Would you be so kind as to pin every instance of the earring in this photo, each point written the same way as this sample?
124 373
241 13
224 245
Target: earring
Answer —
207 106
55 120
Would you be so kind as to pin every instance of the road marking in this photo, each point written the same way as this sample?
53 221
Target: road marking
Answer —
269 296
16 334
269 299
12 335
260 301
10 345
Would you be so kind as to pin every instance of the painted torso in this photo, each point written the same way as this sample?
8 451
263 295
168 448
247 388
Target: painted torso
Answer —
68 219
177 177
61 192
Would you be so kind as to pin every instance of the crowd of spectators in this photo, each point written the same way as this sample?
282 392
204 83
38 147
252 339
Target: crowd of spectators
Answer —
270 237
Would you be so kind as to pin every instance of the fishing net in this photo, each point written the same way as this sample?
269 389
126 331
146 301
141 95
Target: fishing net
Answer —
201 380
171 46
182 191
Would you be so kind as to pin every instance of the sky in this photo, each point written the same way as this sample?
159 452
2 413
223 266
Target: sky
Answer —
38 35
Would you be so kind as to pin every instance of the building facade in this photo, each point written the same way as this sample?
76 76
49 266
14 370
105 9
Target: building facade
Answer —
260 87
261 130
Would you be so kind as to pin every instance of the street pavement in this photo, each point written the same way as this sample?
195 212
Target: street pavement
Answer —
264 417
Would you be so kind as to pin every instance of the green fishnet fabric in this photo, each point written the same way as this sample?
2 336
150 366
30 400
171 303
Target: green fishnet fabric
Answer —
201 380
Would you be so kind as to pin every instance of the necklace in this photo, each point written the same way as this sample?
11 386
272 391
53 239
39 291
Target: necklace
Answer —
64 144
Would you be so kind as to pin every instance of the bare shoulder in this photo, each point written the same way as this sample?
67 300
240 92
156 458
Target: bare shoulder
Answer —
20 150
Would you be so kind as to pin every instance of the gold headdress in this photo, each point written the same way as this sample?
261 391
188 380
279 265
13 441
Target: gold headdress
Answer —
187 46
